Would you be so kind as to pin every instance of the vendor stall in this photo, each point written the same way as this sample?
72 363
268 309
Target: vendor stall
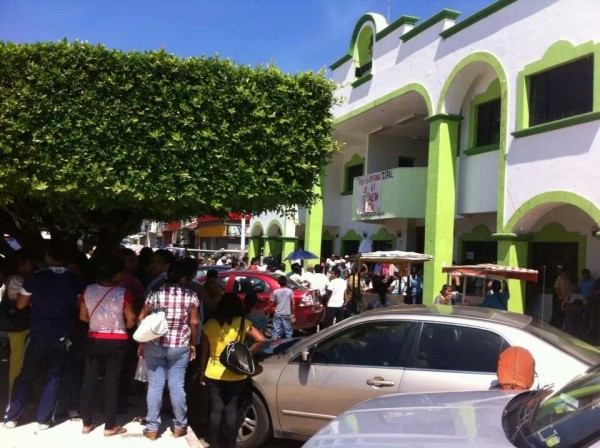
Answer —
395 257
473 279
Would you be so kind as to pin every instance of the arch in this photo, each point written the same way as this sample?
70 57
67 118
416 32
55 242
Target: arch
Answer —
375 21
480 56
274 225
552 198
257 229
496 66
412 87
327 235
383 235
351 235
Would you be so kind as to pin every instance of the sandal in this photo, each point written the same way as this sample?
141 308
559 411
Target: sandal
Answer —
87 429
115 431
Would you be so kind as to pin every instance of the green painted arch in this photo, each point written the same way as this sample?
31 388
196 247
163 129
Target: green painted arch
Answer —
274 223
563 197
327 236
378 23
495 64
257 226
383 235
351 235
413 87
480 56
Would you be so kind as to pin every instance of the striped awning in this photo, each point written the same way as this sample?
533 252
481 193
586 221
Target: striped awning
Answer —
494 271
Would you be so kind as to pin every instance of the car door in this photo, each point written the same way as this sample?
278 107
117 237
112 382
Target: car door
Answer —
345 368
449 357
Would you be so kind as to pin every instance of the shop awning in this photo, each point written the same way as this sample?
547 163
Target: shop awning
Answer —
391 256
494 271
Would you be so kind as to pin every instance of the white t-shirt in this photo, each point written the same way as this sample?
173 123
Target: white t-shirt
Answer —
338 289
319 282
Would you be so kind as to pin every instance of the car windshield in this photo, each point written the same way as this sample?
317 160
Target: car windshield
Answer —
568 417
575 347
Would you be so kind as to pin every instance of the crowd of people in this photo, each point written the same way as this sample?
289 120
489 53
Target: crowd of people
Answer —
71 319
75 317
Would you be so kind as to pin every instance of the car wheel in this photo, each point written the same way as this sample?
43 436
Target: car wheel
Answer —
256 426
268 331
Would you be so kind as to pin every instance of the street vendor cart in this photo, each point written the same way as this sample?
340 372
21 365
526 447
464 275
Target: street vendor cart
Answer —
473 279
396 257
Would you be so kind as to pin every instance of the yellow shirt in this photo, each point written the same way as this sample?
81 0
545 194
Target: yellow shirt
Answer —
219 337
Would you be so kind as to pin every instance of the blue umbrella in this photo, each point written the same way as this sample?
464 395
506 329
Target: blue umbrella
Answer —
301 254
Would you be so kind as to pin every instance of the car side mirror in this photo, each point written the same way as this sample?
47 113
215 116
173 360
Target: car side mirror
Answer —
305 356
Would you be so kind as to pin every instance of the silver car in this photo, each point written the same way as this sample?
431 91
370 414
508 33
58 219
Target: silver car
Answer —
566 417
398 349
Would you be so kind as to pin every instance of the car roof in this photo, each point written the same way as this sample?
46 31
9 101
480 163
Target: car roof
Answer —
467 312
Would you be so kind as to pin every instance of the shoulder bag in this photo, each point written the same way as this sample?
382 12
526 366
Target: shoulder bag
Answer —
236 356
153 326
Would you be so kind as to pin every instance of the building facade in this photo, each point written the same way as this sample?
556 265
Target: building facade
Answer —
474 140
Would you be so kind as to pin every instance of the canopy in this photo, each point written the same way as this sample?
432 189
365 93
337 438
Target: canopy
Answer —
493 271
301 255
391 256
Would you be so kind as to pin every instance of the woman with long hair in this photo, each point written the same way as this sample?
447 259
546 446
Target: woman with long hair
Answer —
109 310
167 357
229 392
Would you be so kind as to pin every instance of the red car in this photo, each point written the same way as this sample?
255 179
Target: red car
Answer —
309 311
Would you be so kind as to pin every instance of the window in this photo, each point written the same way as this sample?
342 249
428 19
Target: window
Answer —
376 344
450 347
488 123
252 283
352 172
405 162
561 92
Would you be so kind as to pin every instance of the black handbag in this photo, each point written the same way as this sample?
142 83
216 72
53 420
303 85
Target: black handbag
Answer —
236 356
13 319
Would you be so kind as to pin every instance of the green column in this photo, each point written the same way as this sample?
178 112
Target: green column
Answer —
513 251
288 246
254 247
314 221
440 207
267 246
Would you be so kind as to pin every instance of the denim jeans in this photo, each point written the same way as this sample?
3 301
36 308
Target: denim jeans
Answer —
282 323
41 350
170 364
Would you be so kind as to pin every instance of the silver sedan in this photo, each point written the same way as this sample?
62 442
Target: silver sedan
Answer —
398 350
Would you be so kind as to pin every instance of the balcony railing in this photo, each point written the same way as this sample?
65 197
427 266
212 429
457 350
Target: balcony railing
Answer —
390 194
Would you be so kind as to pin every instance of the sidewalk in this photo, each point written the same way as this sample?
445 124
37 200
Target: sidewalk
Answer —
67 433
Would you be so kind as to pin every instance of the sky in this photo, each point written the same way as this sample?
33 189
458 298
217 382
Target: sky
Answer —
295 35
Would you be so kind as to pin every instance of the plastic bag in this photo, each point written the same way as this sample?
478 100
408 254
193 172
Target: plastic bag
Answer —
141 371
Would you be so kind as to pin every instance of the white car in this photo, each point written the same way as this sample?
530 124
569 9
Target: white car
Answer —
565 417
399 350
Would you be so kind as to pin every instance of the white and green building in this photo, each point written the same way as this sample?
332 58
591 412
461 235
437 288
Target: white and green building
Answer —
480 138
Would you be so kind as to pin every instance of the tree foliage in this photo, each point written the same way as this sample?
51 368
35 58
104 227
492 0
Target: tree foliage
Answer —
93 138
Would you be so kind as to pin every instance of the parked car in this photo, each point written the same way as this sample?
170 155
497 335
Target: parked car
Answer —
309 311
399 349
562 417
204 268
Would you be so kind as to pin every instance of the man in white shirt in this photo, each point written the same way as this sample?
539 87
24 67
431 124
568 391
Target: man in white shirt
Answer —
319 281
336 293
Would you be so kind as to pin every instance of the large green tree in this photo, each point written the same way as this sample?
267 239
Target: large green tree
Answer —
92 140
